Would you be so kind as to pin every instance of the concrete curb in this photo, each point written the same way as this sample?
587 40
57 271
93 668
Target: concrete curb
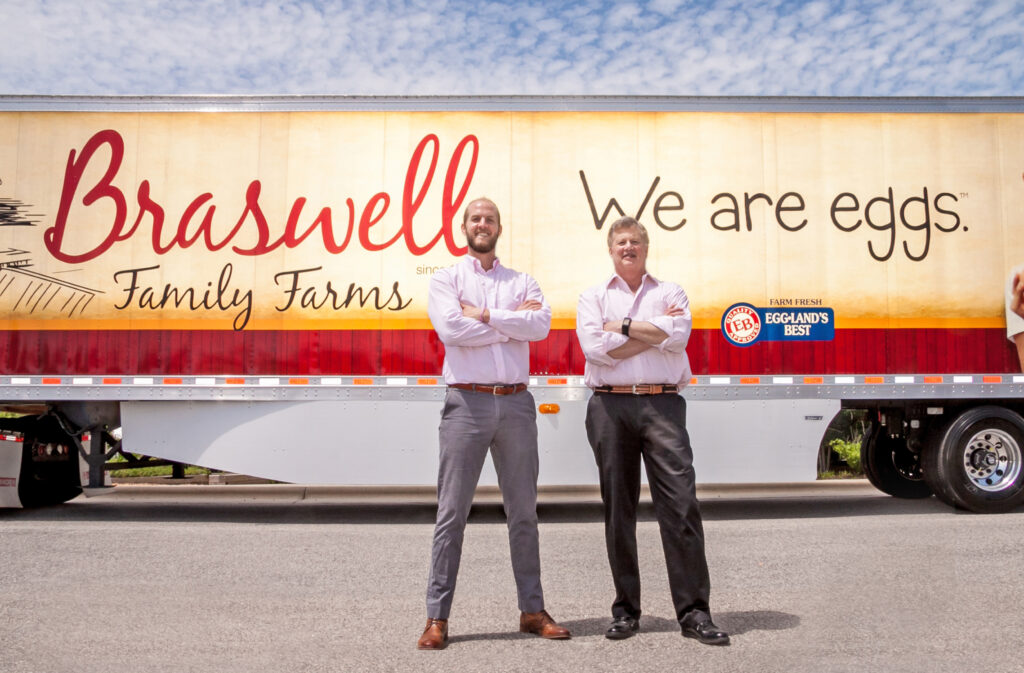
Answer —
151 489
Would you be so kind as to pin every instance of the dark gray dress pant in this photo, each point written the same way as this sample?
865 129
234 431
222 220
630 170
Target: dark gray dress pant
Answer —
622 429
472 423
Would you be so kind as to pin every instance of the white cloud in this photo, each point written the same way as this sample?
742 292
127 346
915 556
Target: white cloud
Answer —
763 47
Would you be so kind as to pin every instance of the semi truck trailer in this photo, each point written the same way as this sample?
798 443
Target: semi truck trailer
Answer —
241 282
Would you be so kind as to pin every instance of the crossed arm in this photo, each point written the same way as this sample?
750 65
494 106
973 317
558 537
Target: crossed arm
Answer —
602 340
461 324
484 315
642 335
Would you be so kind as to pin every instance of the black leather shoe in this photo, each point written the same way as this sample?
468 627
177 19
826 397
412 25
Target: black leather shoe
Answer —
707 633
622 627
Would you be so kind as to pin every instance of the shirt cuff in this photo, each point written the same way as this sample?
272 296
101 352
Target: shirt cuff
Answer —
665 324
497 316
609 342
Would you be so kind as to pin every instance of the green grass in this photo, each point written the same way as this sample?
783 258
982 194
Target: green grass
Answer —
160 471
157 471
841 474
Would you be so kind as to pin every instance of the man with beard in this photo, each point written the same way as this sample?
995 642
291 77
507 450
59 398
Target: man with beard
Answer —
486 314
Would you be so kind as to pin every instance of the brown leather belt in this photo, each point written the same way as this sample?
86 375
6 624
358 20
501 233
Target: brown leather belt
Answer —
640 389
495 389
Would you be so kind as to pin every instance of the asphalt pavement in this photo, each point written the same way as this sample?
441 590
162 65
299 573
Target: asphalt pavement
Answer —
290 578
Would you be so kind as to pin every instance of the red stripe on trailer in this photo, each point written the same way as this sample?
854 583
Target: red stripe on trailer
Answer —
420 353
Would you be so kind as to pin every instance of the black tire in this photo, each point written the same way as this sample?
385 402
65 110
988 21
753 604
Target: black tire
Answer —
975 462
49 464
891 467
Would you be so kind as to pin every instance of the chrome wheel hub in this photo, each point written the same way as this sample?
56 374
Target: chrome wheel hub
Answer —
992 460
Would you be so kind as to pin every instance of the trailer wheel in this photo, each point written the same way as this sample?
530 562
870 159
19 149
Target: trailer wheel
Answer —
891 467
975 464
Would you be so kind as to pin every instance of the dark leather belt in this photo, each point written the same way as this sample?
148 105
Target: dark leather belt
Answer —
640 389
495 389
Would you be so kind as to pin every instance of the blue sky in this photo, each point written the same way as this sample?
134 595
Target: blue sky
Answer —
680 47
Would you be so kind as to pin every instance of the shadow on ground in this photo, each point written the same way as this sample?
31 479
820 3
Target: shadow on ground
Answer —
736 623
113 508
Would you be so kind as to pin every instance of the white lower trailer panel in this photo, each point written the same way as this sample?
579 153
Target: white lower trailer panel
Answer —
394 441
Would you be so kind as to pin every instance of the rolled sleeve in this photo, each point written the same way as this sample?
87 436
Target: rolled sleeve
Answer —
678 330
678 327
594 340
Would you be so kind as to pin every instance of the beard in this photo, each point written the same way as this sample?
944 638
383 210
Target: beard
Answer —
482 248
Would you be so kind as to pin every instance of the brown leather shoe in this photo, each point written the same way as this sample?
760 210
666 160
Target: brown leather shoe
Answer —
543 625
435 635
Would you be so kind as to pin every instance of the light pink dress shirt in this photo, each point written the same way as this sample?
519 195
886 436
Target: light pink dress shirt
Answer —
613 300
497 351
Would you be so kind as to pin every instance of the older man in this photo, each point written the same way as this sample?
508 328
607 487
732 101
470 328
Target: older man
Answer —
485 315
633 329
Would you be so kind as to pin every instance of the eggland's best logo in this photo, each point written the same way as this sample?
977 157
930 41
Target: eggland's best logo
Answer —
745 325
741 324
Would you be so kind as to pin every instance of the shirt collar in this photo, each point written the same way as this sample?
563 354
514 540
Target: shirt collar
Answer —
475 266
617 279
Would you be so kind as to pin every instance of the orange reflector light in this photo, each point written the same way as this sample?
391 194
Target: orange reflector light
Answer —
874 379
172 382
235 382
548 408
693 381
814 380
51 382
751 380
933 379
115 382
991 379
557 382
298 382
426 382
362 382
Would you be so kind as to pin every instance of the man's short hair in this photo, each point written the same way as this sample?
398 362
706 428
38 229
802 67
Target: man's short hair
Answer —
465 213
628 222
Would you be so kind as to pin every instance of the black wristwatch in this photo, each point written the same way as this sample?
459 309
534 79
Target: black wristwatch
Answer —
625 325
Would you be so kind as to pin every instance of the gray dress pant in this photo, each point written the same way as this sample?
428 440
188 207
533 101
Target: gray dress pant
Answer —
472 423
